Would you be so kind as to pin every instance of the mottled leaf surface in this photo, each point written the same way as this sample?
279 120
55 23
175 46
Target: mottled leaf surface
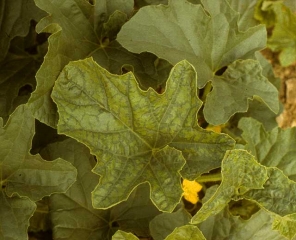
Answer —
285 225
240 174
244 177
274 148
80 30
138 136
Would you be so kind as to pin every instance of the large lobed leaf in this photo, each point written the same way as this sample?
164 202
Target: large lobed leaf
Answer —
80 30
208 37
24 177
138 136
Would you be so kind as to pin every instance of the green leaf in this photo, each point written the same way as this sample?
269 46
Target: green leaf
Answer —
137 135
164 224
273 149
246 10
264 14
225 226
142 3
240 174
186 232
15 17
41 221
290 4
69 210
135 214
280 17
242 81
37 178
90 30
243 177
285 225
121 235
17 72
183 30
277 195
283 37
15 215
23 173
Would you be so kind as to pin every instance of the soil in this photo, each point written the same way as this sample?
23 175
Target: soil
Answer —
287 96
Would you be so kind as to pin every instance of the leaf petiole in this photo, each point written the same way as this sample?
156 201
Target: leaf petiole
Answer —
216 177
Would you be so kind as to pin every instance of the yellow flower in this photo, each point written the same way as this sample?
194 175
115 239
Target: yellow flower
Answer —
191 188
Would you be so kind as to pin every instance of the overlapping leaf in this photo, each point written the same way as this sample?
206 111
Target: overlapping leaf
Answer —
225 226
273 149
15 214
285 225
81 30
164 224
241 82
133 215
283 37
137 136
282 19
17 74
211 42
65 208
121 235
246 10
26 175
15 17
243 177
240 173
186 232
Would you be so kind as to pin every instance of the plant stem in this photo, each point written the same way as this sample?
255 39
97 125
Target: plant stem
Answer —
206 90
209 178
